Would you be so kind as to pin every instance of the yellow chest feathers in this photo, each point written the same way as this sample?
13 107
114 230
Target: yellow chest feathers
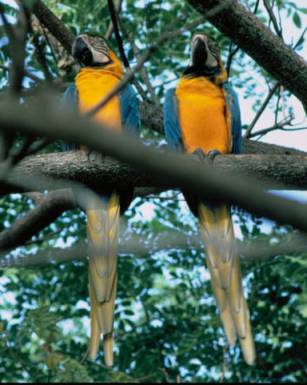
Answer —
203 115
93 84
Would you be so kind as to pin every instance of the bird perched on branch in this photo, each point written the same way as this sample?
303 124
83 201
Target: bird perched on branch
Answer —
202 117
100 72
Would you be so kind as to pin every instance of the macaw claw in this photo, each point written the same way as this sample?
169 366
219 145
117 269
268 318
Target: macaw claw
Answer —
203 157
212 154
199 154
91 154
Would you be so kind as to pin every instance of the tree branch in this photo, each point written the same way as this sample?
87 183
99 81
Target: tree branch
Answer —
99 172
46 212
53 24
170 168
261 109
254 250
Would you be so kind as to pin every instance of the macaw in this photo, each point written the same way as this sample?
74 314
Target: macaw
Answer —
100 72
202 116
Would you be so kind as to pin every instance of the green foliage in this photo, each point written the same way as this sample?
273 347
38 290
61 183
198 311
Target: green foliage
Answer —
167 326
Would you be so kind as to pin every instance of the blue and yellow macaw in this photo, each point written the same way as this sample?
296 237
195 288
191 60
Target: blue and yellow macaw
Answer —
101 71
202 116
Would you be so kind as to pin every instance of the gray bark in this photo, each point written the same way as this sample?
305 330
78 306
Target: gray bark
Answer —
99 172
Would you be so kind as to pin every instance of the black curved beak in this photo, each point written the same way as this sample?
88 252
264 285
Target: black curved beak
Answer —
199 53
81 52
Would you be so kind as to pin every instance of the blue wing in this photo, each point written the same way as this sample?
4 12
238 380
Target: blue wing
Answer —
130 114
129 106
70 96
236 126
70 99
171 122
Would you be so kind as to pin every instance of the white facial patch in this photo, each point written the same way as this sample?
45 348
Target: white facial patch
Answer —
211 60
99 57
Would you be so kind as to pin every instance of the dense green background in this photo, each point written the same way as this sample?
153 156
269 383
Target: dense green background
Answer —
167 326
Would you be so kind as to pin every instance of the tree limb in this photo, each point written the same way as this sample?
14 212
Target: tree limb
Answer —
286 171
170 168
53 24
47 211
254 250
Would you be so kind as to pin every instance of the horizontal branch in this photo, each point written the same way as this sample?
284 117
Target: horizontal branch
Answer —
255 250
257 40
99 172
169 168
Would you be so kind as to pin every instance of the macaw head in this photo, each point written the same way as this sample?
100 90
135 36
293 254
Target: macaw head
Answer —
205 59
92 51
204 51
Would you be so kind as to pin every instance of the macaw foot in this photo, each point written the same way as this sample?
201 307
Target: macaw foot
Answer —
88 153
91 154
212 154
203 157
199 154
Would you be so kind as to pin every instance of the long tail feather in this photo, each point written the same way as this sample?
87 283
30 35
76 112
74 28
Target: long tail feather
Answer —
224 268
95 329
102 228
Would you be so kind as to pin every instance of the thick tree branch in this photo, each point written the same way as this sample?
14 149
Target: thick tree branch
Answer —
170 168
100 172
47 211
53 24
268 50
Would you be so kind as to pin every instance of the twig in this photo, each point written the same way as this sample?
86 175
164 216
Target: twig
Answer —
278 126
300 39
117 34
261 109
27 73
272 18
143 71
232 53
110 29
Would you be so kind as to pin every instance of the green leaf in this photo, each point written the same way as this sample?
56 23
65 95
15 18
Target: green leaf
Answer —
297 20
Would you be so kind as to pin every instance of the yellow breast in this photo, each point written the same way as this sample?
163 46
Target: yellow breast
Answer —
93 84
203 115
